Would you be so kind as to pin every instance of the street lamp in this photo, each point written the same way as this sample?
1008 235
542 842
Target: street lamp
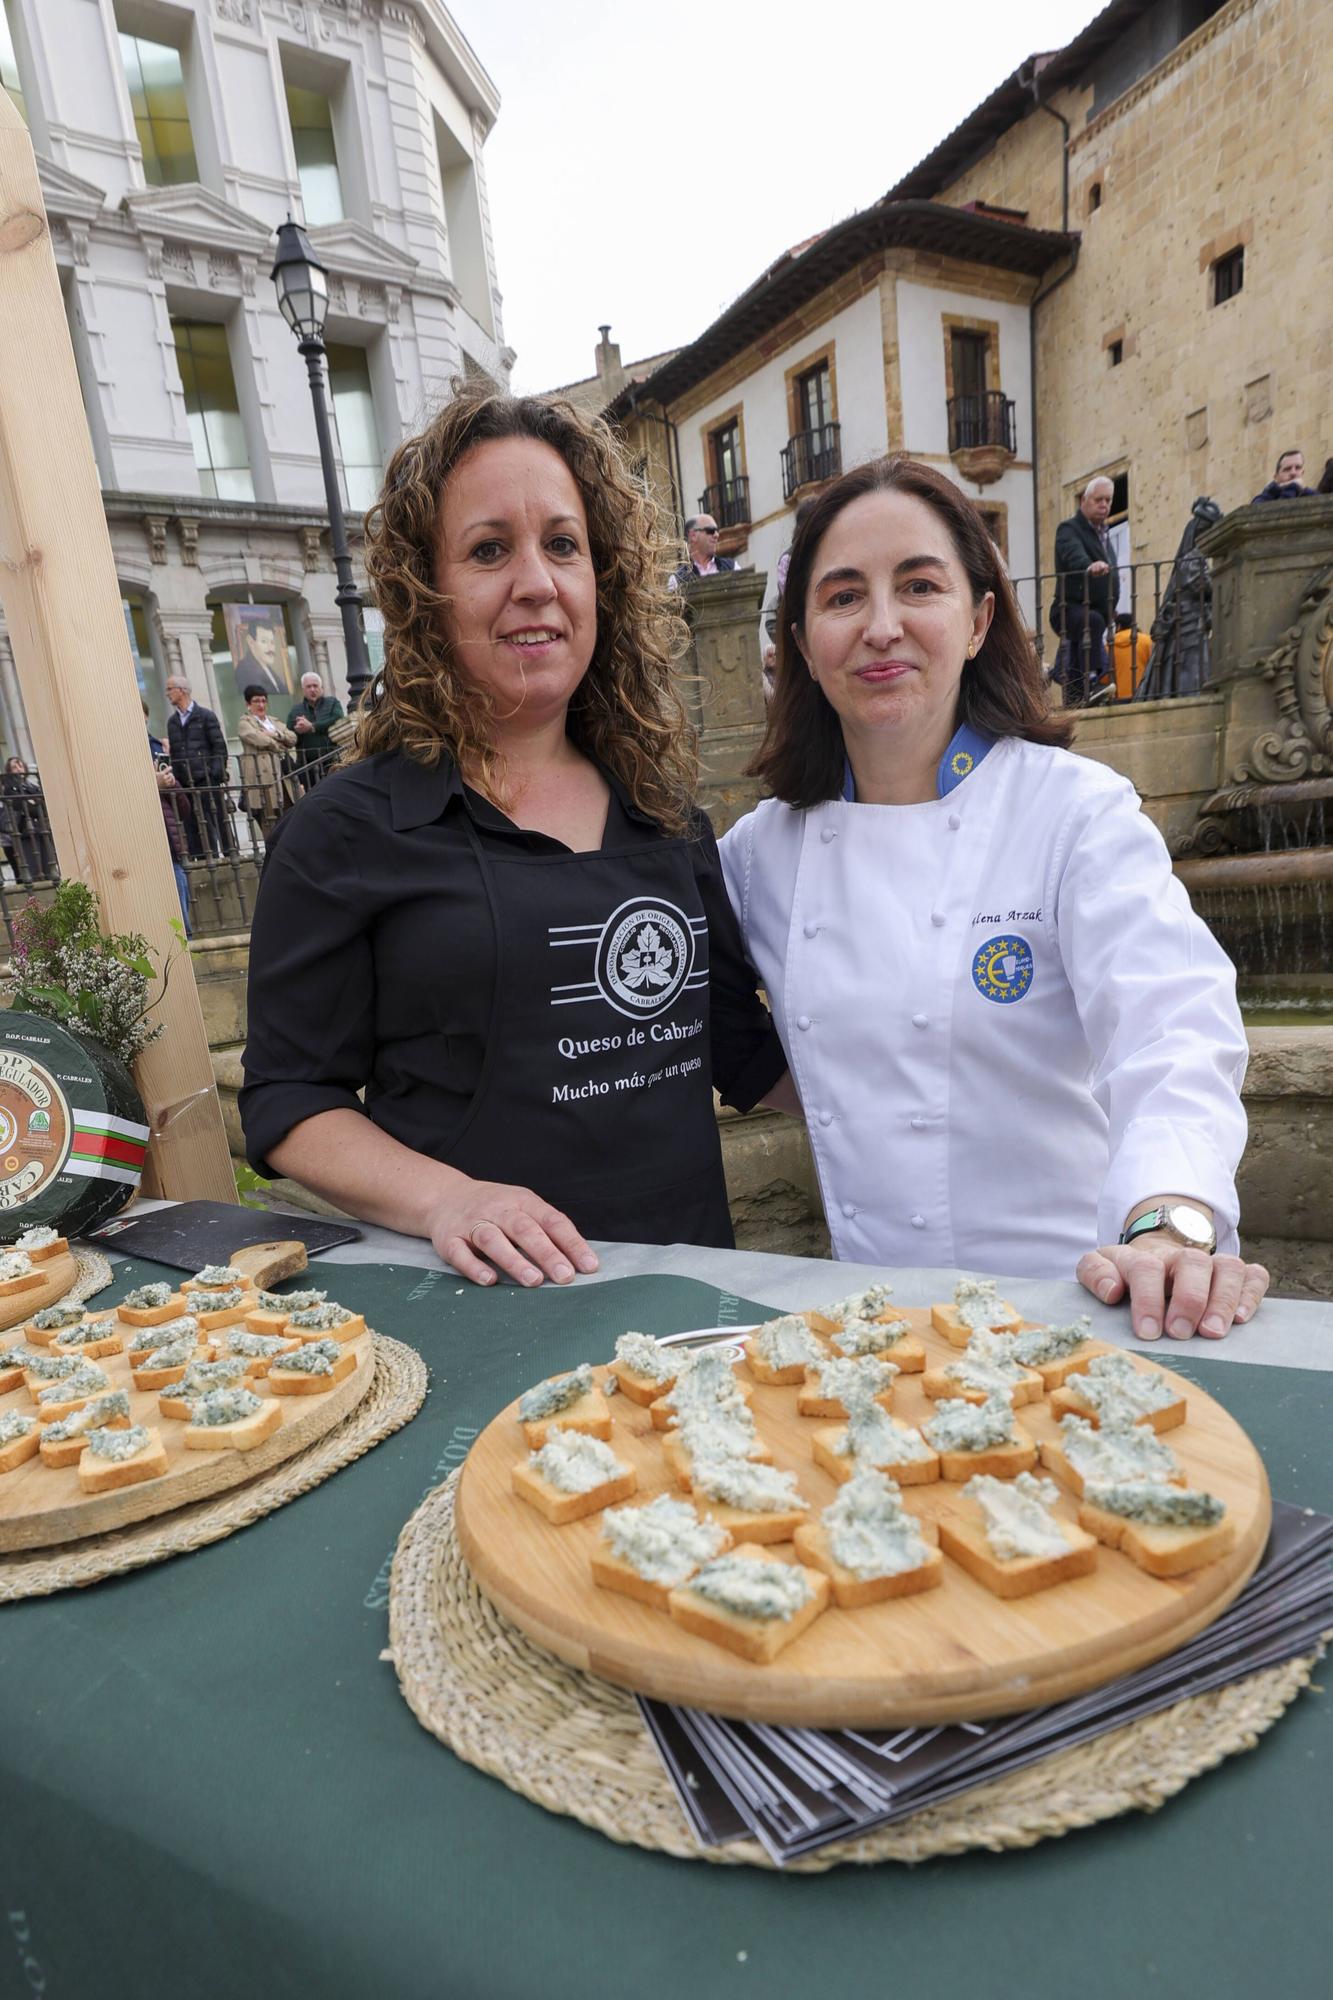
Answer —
303 298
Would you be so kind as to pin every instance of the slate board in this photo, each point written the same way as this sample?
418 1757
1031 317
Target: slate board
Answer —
195 1233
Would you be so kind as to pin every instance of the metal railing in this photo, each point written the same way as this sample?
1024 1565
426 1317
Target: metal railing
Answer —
1153 644
982 420
217 834
728 502
811 456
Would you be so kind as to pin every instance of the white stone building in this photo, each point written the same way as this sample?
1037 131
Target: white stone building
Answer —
172 137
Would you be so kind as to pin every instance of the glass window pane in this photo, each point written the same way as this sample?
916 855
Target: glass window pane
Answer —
9 69
216 430
156 81
316 156
354 422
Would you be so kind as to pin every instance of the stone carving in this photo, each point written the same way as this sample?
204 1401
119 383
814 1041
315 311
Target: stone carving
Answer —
78 241
1300 670
189 534
223 271
1196 429
239 11
370 300
1258 399
337 294
310 537
156 528
177 257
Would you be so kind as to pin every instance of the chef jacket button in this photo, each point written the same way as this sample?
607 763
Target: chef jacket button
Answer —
810 930
826 1117
920 1021
937 918
849 1209
918 1123
803 1020
954 822
918 1222
828 833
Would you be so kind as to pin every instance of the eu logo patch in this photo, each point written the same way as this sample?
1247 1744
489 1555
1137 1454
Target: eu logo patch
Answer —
1002 969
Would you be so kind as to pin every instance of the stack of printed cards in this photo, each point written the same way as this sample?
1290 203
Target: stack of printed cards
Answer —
799 1789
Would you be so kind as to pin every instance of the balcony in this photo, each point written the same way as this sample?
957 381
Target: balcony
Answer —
982 436
728 502
810 458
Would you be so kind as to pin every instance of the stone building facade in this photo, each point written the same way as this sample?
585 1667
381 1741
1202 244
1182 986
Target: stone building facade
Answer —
172 137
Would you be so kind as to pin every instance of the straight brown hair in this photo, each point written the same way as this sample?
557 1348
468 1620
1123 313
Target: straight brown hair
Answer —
1002 692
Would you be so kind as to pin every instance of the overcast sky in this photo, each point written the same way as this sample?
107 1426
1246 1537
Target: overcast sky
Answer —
647 167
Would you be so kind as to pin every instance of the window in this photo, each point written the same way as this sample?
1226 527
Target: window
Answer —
969 362
726 448
9 69
156 82
1116 353
814 398
354 421
311 119
150 682
1094 197
465 241
216 430
1228 275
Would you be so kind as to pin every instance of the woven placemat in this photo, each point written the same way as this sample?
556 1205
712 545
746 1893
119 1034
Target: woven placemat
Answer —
576 1745
393 1399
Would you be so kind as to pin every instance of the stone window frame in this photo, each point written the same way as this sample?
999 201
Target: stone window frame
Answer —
951 323
1212 253
995 513
817 358
735 540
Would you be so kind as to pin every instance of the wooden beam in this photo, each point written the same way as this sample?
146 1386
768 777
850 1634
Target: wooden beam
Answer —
62 607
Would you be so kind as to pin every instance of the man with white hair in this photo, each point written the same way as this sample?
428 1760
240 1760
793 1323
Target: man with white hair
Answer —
1087 585
312 717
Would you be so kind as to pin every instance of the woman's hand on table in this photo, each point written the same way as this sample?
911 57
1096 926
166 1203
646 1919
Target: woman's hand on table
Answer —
481 1224
1189 1290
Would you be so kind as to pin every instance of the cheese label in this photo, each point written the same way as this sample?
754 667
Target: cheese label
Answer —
72 1133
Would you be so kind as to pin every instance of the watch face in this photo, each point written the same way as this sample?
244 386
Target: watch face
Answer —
1193 1225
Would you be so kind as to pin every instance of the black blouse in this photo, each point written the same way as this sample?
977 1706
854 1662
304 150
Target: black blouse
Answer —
372 958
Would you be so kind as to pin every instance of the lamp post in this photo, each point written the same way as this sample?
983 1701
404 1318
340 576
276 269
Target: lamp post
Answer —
303 298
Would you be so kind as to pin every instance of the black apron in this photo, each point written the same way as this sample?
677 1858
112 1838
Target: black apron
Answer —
596 1090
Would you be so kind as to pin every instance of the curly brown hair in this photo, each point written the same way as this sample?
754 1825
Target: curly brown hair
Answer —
626 711
1002 693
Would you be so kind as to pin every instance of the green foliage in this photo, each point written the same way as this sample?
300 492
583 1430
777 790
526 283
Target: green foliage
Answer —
251 1187
66 969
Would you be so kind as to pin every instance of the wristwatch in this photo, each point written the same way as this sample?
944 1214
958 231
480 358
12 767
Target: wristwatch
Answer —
1176 1219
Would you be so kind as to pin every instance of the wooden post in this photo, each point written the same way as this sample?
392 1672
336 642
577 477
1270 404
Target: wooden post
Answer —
62 606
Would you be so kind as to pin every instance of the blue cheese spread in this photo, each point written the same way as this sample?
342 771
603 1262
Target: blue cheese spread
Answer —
846 1381
1017 1516
1118 1391
642 1355
84 1332
166 1335
1116 1453
290 1302
147 1298
547 1399
216 1302
256 1346
38 1239
172 1353
756 1489
13 1426
56 1316
217 1276
704 1381
201 1376
665 1542
223 1406
864 1336
869 1530
959 1426
15 1264
977 1305
321 1318
86 1380
749 1588
102 1410
875 1438
1037 1345
869 1304
118 1445
317 1357
786 1343
720 1431
987 1362
1157 1506
573 1463
44 1367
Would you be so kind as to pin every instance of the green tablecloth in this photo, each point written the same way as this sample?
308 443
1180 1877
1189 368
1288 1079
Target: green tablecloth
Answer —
210 1785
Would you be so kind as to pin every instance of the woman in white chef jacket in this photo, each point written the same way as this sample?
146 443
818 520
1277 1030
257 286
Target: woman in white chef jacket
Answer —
1011 1038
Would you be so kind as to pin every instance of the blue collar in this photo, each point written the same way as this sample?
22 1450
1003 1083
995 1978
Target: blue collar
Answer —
966 749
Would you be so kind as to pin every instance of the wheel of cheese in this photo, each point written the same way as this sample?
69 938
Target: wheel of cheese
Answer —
73 1131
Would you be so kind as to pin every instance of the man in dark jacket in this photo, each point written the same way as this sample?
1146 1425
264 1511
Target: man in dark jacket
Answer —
701 533
1087 585
1288 481
198 751
312 717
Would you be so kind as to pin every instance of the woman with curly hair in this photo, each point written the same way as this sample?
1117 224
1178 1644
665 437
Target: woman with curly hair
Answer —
505 923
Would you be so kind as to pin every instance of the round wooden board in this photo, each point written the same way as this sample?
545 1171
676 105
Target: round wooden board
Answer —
953 1654
42 1506
58 1274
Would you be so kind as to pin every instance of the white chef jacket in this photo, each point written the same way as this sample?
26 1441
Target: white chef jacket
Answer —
1004 1020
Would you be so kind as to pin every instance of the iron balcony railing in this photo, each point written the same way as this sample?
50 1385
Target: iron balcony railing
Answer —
217 836
1153 643
980 420
811 456
728 502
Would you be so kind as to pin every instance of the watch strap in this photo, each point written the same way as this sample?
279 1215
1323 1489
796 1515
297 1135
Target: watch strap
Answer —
1160 1218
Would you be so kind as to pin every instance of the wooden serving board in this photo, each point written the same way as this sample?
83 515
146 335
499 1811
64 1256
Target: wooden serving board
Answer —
952 1654
58 1275
42 1506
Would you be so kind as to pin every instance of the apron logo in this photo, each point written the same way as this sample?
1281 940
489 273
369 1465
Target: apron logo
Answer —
644 956
1002 969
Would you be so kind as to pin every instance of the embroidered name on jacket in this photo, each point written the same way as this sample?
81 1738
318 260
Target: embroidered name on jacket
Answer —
638 961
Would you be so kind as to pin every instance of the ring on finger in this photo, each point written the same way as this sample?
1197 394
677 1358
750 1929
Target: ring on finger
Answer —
472 1233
